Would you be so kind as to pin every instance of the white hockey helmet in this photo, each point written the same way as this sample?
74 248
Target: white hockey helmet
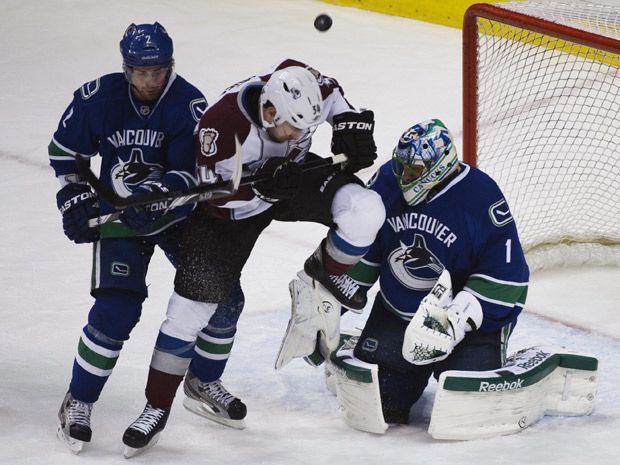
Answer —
295 94
424 157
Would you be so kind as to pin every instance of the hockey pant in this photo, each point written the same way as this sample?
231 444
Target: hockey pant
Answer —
216 250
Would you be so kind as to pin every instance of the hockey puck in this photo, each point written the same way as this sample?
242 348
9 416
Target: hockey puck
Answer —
322 22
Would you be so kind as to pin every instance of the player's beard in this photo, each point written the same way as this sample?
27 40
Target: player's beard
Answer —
147 94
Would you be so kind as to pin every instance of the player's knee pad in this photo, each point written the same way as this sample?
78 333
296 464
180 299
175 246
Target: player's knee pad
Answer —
227 313
185 318
115 313
359 213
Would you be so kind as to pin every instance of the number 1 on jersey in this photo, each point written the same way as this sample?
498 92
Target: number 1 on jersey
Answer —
508 250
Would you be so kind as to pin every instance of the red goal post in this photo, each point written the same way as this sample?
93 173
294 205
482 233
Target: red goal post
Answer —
541 115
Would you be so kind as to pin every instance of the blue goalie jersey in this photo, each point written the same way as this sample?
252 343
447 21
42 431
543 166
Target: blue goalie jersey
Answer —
465 227
137 141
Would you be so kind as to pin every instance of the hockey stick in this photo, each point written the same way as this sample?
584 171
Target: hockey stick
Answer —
177 198
174 199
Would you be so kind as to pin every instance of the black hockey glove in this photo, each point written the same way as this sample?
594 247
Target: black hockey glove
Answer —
78 204
353 137
138 218
283 183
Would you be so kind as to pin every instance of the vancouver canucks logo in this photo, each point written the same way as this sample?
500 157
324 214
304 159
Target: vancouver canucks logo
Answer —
126 175
415 266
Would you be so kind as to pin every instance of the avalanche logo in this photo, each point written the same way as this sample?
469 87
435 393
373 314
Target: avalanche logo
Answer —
127 175
296 93
207 138
414 266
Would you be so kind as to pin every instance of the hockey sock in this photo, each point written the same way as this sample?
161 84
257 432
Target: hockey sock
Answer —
96 357
161 388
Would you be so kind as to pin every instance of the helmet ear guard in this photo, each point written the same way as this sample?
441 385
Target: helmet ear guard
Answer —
425 156
295 94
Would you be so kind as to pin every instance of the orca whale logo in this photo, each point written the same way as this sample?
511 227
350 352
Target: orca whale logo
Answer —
415 266
126 175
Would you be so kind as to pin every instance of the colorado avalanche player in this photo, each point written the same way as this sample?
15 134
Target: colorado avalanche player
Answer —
445 222
273 115
141 123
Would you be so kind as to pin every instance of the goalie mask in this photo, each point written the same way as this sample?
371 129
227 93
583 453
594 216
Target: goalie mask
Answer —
295 94
424 156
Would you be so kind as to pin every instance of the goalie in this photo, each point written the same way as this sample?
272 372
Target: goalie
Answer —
452 274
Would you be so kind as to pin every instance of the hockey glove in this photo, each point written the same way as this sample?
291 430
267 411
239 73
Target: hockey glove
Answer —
284 179
440 323
353 136
78 204
139 218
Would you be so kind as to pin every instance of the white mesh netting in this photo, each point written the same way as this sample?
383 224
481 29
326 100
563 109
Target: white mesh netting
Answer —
548 131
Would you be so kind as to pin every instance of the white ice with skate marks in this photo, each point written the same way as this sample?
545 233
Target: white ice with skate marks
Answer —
292 418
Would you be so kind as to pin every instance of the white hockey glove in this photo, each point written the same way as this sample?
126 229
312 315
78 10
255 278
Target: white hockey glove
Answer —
440 323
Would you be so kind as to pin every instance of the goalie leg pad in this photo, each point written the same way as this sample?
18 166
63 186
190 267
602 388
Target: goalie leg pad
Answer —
313 311
357 389
535 382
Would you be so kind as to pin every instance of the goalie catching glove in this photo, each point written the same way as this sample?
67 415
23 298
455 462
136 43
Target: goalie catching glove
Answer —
440 323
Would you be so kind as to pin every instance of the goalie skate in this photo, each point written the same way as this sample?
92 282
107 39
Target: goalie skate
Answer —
74 428
213 402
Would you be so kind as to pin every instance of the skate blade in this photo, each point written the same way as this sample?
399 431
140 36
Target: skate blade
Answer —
202 409
130 452
74 445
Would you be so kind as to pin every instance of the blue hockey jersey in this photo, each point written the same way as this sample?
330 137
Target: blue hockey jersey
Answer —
137 141
465 227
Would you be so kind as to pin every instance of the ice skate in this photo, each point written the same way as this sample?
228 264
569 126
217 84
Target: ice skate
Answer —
342 287
213 401
74 428
144 433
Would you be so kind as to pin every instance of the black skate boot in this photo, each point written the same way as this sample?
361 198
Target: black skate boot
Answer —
342 287
144 433
74 428
213 401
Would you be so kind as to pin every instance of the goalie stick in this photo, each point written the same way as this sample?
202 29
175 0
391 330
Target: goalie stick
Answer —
174 199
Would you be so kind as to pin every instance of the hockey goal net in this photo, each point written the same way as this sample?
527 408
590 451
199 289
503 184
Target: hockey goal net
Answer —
541 115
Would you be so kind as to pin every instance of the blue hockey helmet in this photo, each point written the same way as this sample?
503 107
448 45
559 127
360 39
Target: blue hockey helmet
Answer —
146 45
425 156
